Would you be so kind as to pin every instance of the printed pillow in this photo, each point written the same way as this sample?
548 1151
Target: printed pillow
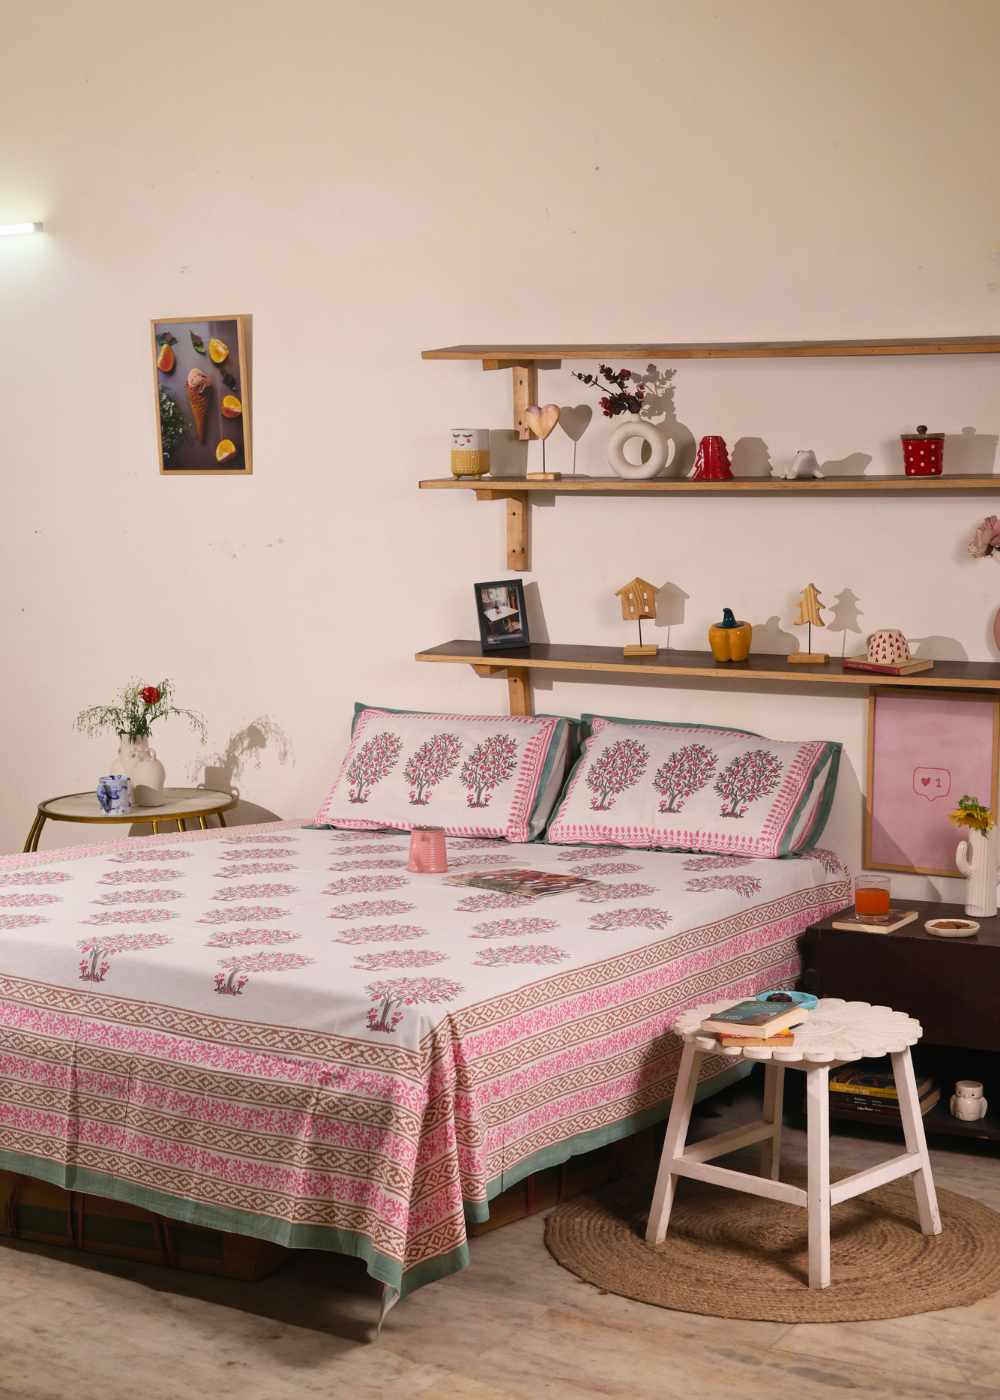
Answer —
474 775
696 788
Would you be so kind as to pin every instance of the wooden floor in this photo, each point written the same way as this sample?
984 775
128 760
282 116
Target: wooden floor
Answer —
514 1326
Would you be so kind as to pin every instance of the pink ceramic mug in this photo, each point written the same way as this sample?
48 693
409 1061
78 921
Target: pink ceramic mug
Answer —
428 851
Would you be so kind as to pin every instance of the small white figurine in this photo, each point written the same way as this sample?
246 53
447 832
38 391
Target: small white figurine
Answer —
804 463
967 1102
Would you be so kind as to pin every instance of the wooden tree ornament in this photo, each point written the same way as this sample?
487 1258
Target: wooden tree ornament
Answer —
638 602
809 616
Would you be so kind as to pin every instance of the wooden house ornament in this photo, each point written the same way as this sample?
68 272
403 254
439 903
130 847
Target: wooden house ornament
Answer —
638 603
809 615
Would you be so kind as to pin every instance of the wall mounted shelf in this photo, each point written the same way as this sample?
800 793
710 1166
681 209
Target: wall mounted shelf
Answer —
503 356
517 492
773 671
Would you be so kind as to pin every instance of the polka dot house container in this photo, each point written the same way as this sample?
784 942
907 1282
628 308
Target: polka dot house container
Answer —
888 647
923 452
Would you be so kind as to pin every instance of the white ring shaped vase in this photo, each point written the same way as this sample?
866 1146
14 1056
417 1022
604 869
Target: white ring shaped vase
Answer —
636 471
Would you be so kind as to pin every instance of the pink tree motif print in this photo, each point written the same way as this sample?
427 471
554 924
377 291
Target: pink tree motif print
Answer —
138 897
432 762
746 885
683 773
374 761
132 916
476 844
151 855
620 766
399 957
256 892
102 946
244 912
605 892
21 920
381 933
365 850
253 867
138 877
591 852
750 776
232 984
366 884
513 928
489 764
244 936
356 835
369 865
255 838
24 901
717 862
611 868
250 853
373 909
829 860
35 877
631 918
514 953
494 900
393 994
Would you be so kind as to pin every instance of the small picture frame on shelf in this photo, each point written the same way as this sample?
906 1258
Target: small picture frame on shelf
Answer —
503 621
924 753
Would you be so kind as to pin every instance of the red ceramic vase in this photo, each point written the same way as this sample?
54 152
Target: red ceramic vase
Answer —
712 462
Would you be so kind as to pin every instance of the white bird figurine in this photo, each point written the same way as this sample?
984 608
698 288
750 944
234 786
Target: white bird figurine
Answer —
804 463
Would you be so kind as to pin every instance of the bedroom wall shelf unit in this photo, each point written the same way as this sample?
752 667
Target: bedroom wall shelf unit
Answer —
524 360
772 671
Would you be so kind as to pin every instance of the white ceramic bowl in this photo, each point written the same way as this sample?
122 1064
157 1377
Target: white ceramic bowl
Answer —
969 926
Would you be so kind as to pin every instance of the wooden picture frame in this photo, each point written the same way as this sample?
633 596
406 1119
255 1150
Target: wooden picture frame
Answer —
196 424
926 750
503 621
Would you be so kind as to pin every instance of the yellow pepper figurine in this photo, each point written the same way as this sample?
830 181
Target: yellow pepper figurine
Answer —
729 639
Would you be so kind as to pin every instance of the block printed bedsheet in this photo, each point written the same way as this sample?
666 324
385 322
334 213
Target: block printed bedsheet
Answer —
279 1031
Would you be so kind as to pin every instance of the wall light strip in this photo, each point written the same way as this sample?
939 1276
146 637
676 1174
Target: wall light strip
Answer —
20 228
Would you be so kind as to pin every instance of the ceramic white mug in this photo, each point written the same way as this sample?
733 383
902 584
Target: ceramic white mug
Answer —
967 1102
114 793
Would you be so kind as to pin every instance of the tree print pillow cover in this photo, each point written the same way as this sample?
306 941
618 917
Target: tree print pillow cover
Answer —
696 788
474 775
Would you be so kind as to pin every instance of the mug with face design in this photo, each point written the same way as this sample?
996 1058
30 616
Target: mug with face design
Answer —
470 451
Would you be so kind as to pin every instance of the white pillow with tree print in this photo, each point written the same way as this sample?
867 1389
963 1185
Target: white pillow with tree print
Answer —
473 775
694 788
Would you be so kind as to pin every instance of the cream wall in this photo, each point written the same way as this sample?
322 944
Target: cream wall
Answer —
368 181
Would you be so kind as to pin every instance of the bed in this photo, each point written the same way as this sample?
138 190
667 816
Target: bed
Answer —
278 1031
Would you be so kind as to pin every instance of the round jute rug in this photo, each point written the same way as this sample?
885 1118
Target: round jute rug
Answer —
731 1255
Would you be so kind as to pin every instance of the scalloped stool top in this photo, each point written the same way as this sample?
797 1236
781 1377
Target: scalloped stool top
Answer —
836 1030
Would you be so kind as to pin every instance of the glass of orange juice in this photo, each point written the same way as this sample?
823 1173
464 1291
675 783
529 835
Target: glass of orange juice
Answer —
871 896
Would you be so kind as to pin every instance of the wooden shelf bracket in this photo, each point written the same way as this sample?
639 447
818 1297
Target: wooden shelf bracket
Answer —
518 524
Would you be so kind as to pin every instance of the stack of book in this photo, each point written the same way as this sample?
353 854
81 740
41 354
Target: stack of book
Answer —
755 1023
871 1094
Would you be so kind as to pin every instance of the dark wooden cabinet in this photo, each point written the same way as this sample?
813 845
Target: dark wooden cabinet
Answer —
951 985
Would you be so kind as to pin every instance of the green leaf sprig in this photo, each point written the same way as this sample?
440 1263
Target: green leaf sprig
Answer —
197 342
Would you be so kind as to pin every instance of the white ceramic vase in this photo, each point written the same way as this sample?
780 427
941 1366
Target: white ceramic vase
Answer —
634 427
967 1102
136 760
978 861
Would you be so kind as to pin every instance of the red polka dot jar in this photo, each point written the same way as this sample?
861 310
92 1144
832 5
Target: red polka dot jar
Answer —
923 452
888 647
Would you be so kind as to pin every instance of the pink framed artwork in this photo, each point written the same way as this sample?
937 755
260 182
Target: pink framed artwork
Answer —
925 752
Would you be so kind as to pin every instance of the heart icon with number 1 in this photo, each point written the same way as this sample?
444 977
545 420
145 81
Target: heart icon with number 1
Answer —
541 421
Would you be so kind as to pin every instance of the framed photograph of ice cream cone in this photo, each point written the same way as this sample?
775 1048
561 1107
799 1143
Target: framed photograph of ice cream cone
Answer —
202 396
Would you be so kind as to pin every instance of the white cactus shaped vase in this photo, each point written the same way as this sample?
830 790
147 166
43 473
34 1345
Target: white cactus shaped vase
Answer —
978 860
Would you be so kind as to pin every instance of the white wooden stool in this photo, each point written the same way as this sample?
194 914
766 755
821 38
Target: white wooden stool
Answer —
836 1033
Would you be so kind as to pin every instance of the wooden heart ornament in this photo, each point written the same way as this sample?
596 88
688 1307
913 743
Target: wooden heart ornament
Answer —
541 421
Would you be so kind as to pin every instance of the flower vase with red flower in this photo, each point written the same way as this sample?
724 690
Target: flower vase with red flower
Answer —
139 706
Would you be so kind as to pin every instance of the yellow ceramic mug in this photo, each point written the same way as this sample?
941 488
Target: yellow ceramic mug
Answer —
729 639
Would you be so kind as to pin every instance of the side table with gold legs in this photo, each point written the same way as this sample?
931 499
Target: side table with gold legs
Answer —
179 805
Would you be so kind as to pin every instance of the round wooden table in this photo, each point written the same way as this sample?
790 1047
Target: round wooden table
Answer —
179 805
